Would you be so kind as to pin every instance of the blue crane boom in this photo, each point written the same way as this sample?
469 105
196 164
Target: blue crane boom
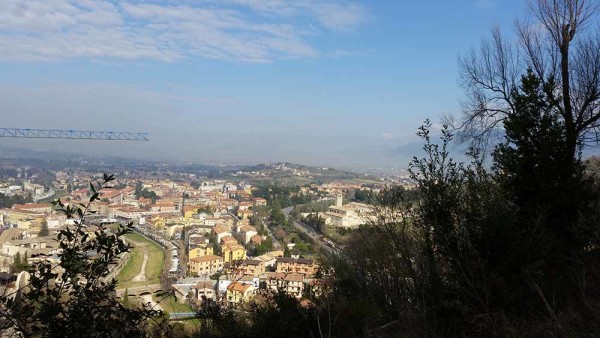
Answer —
73 134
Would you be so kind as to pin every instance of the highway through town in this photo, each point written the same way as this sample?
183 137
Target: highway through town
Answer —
276 243
49 194
309 232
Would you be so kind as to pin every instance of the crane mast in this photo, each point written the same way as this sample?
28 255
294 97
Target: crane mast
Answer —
73 134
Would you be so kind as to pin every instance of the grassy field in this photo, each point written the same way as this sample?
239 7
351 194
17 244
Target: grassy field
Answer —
132 268
171 305
154 266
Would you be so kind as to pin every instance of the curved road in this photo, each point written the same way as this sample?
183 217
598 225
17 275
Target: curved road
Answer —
309 232
276 243
50 193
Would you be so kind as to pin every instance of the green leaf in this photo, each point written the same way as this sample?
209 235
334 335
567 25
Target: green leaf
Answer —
94 197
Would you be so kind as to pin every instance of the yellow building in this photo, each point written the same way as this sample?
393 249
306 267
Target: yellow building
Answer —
24 219
201 250
172 228
302 266
189 211
206 265
251 267
157 222
239 293
233 252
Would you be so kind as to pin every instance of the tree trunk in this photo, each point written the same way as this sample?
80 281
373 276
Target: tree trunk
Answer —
570 128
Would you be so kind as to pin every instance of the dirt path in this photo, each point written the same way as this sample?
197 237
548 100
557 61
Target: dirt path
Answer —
141 277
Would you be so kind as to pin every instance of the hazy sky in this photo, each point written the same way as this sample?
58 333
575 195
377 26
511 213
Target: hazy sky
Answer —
318 82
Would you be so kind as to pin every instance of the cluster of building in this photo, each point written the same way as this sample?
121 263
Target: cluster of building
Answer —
30 247
213 218
26 188
226 273
348 216
215 206
241 281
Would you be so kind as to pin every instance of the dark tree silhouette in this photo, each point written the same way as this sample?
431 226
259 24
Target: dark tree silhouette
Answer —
560 49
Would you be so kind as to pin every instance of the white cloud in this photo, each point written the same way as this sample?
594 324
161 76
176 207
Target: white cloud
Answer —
239 30
330 14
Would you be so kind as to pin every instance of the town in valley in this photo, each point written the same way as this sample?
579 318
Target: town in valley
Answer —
223 233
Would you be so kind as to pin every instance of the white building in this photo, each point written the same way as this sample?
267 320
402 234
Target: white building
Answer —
349 216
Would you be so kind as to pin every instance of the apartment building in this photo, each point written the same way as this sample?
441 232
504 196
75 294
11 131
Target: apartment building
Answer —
302 266
205 265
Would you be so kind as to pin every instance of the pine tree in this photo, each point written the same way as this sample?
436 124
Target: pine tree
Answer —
125 300
16 265
546 184
44 230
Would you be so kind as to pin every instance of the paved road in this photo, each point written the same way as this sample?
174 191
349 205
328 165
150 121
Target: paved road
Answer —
305 229
287 211
50 193
276 243
309 232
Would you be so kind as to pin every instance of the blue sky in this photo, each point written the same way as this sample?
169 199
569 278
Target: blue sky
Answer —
327 82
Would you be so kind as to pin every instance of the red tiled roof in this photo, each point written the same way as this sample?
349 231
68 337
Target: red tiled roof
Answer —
239 287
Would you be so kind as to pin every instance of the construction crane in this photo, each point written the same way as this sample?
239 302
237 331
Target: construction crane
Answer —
73 134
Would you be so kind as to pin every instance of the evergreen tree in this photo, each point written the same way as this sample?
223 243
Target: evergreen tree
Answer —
138 189
547 187
44 230
125 299
16 265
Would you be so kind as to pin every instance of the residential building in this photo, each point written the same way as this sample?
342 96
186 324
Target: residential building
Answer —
205 265
269 258
296 265
252 267
247 232
164 207
228 240
220 232
292 284
245 214
34 207
205 291
239 293
233 253
201 250
259 201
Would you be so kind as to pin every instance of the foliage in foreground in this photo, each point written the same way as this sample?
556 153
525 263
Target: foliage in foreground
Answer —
508 251
74 297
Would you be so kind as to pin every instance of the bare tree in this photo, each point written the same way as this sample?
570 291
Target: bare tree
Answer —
559 46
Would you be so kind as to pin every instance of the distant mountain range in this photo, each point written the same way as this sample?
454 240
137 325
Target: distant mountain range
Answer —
51 155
